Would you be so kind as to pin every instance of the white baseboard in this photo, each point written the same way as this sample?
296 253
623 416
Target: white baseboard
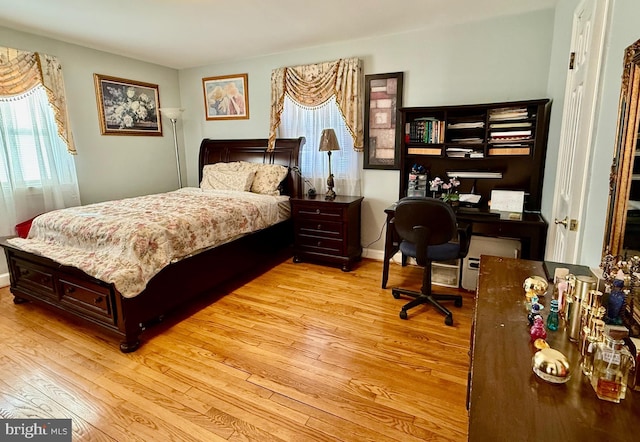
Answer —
4 279
378 255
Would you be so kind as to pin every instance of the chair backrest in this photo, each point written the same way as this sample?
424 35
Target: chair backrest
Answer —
416 217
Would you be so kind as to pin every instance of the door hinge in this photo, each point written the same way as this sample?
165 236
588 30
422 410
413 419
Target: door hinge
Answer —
572 60
573 225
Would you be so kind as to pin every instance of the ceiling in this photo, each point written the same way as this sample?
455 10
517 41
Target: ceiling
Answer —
189 33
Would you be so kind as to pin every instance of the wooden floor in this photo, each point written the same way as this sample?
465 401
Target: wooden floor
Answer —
300 353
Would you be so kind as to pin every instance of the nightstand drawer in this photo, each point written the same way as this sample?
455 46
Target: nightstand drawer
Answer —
325 212
319 244
322 228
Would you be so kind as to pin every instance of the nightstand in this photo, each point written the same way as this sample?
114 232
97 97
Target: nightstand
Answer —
327 231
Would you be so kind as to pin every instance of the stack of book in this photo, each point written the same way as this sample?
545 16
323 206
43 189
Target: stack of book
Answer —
509 125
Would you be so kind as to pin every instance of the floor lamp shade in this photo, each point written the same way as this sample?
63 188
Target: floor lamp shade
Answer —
328 143
173 113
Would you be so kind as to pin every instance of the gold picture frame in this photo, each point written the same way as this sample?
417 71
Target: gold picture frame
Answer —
127 107
226 97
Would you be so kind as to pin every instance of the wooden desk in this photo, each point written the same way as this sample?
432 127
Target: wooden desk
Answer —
531 230
507 401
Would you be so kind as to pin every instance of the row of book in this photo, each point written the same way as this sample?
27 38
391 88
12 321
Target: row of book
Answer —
425 130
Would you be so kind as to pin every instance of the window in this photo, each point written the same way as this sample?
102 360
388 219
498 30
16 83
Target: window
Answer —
32 150
297 120
37 174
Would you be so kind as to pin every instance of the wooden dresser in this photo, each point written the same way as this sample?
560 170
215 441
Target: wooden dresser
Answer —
327 231
507 400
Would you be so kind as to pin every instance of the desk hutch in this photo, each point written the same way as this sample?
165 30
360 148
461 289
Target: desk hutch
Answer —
497 146
506 139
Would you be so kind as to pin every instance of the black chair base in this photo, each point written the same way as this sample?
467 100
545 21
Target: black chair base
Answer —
433 299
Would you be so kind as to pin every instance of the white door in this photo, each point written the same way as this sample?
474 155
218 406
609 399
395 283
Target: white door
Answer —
589 21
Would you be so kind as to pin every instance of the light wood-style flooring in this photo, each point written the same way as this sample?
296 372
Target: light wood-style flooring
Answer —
302 352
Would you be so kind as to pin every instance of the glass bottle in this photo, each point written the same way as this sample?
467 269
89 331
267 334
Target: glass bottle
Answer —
537 330
616 301
612 362
552 318
593 338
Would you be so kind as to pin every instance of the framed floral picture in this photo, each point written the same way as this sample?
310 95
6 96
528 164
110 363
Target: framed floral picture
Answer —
226 97
127 107
382 132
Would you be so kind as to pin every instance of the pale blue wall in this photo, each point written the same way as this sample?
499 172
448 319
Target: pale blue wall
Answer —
109 167
488 61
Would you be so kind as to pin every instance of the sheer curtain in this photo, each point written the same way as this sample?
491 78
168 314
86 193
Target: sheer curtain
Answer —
306 99
298 120
37 173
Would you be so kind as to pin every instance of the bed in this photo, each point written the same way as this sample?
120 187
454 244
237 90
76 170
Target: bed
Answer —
126 312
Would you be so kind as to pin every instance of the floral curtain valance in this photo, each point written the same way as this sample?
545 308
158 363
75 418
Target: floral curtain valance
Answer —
313 84
21 71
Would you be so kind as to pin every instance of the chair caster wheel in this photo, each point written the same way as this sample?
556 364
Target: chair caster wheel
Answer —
403 314
448 320
395 293
458 303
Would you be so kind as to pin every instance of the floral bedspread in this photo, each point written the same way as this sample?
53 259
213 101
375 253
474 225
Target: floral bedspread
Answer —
126 242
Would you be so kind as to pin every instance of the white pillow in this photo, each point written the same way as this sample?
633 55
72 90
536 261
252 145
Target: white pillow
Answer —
268 178
213 179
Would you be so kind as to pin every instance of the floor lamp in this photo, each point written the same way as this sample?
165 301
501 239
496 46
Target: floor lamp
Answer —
173 113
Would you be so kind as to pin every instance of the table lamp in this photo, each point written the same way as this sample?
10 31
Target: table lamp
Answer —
173 113
329 142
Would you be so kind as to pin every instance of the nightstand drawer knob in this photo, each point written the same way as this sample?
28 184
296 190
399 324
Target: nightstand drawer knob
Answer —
319 243
319 226
317 211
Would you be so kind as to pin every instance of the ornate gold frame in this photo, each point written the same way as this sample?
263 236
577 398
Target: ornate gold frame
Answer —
119 113
626 139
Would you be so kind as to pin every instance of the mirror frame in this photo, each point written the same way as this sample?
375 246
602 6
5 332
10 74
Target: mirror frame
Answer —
621 174
624 153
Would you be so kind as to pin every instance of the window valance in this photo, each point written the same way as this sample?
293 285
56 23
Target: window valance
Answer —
313 84
21 71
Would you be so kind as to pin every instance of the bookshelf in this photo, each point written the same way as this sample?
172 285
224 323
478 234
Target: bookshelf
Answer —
504 143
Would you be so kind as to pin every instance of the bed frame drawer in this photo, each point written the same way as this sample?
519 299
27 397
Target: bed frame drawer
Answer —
90 299
33 277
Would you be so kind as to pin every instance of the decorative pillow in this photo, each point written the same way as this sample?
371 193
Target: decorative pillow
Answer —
268 178
219 179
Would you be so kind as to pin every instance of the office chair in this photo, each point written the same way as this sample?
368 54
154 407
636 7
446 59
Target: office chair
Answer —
426 227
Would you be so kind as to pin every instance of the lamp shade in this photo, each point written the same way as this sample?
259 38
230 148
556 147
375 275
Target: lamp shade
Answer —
173 113
328 141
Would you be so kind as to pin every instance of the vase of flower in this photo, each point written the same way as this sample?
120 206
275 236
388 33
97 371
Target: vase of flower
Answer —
446 190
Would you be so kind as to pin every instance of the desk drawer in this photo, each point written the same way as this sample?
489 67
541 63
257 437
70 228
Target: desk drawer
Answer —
321 228
91 299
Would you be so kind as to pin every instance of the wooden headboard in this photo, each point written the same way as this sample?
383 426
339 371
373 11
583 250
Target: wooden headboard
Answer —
286 153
